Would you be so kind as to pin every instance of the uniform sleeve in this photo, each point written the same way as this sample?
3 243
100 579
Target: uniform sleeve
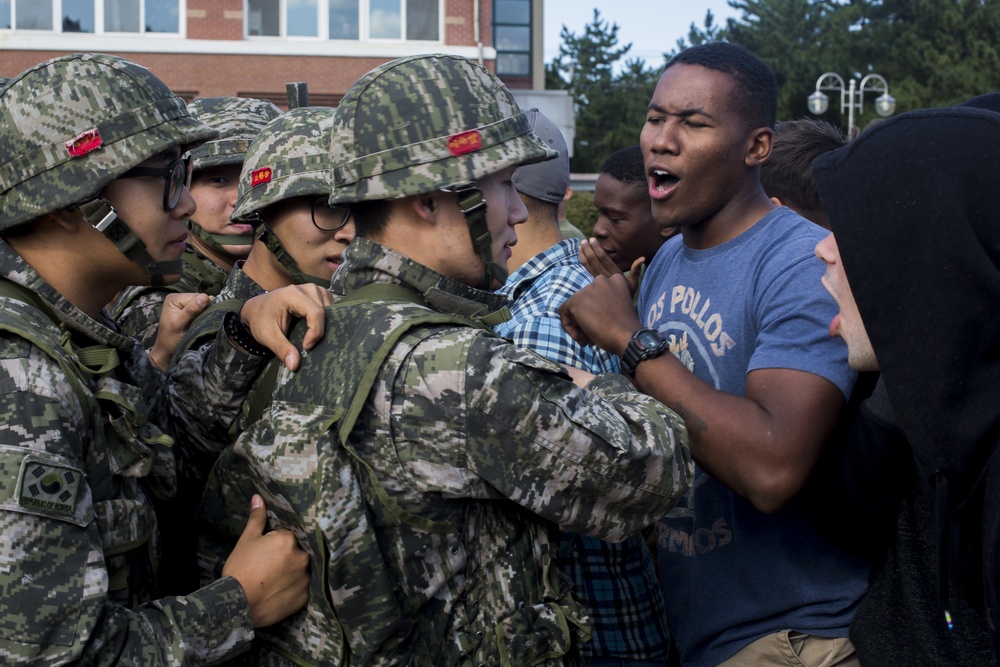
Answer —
59 517
137 312
605 461
205 391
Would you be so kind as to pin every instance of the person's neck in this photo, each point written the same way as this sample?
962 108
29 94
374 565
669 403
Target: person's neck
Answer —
223 259
264 268
533 237
736 217
71 264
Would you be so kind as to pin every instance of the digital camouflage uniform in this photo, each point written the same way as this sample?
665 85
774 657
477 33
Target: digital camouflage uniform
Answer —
288 158
238 120
136 310
482 450
87 419
424 462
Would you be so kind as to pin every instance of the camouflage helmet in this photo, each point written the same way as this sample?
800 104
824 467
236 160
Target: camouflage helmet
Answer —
425 123
237 119
71 125
4 80
288 158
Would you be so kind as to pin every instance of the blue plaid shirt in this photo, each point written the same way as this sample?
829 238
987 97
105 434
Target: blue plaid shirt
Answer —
616 581
536 290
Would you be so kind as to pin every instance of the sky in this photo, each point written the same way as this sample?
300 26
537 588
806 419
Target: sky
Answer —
652 26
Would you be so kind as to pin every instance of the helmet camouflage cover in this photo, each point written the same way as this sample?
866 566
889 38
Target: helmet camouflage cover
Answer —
71 125
288 158
237 119
425 123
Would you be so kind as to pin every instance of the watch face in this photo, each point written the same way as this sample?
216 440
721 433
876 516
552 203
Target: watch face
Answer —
648 339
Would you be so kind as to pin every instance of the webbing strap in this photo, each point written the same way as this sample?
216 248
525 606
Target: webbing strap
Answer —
60 352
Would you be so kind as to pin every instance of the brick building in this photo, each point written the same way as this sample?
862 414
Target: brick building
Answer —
252 48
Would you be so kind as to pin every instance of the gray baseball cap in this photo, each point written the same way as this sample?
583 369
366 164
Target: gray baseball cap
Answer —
545 180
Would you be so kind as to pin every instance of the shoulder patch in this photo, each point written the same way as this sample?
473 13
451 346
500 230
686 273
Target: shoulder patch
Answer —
49 487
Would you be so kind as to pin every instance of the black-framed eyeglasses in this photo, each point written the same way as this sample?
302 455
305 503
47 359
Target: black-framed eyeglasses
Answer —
175 176
326 217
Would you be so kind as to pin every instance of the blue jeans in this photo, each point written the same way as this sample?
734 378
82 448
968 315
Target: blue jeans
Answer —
622 662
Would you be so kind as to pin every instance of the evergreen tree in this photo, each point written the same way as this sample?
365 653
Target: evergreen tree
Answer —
586 65
932 53
936 52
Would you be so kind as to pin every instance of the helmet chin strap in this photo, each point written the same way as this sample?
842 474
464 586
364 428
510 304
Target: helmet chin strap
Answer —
473 206
273 245
103 217
216 241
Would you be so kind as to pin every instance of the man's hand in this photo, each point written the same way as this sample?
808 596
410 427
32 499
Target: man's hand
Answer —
270 317
177 314
601 314
581 378
271 567
599 263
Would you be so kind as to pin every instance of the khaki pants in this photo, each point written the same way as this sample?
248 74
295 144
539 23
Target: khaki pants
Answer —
794 649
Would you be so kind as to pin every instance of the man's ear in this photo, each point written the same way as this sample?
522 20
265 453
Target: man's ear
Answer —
759 149
425 206
776 201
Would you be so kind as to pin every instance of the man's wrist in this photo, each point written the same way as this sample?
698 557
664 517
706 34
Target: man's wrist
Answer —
239 334
644 344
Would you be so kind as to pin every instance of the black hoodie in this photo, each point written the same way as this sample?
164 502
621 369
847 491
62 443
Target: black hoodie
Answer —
915 206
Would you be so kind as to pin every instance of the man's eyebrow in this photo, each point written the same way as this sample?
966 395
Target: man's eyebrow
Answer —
683 113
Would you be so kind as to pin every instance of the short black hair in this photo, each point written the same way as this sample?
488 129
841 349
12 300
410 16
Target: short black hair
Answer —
757 87
370 218
626 165
787 174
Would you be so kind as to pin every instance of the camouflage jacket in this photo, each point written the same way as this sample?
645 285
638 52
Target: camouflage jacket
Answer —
137 309
179 541
84 452
430 503
202 332
238 288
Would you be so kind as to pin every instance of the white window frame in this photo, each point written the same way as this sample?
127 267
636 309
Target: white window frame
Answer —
57 16
323 24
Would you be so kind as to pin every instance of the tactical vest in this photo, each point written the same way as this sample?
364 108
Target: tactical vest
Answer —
356 611
124 448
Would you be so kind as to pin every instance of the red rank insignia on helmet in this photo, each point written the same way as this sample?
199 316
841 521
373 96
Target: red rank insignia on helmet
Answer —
84 143
260 176
464 142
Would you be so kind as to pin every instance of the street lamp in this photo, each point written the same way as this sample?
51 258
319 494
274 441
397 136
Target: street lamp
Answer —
885 104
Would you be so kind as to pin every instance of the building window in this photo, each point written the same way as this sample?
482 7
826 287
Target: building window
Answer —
32 15
303 18
344 19
80 16
384 19
422 20
263 18
512 36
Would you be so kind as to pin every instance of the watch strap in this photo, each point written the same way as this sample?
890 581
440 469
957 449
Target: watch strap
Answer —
635 352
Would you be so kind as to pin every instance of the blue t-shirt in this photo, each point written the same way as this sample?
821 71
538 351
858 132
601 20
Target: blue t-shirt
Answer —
731 574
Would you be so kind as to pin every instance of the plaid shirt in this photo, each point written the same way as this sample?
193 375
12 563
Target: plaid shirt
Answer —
536 290
617 582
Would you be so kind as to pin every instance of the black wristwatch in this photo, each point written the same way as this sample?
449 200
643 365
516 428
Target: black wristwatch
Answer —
644 344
